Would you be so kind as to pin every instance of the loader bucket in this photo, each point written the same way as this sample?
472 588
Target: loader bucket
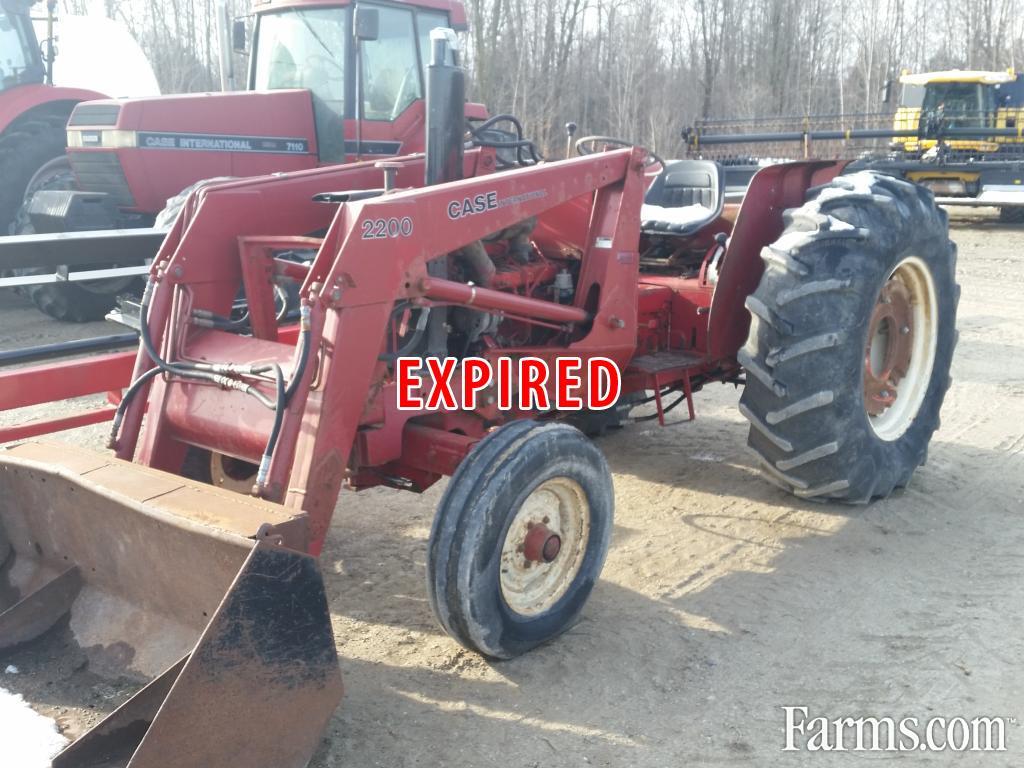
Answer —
203 597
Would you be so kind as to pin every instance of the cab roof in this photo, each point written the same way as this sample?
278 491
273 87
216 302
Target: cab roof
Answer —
455 9
959 76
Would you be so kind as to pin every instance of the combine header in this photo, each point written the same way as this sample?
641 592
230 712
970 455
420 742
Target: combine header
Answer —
958 133
831 297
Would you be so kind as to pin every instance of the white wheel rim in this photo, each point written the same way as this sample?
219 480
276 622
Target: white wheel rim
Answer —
231 474
557 507
908 391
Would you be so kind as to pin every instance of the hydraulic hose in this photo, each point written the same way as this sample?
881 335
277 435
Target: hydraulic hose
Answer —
122 407
222 375
306 342
275 431
413 342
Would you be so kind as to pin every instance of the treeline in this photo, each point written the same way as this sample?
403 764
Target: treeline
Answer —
644 69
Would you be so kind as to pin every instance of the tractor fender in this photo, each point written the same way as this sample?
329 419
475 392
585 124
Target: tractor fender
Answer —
759 222
34 100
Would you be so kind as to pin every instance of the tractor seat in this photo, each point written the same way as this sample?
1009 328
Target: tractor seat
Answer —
686 195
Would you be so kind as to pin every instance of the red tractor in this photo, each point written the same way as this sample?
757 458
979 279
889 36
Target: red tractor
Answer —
329 82
38 88
830 298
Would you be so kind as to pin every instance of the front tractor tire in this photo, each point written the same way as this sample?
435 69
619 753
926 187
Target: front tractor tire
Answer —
68 301
852 335
520 538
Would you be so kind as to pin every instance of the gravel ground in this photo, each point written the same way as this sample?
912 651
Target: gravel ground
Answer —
722 600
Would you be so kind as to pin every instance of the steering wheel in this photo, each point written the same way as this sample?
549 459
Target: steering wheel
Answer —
589 145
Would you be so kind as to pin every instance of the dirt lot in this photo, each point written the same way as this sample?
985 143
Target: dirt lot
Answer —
723 599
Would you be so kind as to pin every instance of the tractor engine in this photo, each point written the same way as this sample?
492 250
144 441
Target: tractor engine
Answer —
507 260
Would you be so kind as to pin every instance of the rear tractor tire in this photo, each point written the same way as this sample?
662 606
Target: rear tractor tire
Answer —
852 335
519 538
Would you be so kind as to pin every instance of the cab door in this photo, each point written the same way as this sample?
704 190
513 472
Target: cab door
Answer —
392 87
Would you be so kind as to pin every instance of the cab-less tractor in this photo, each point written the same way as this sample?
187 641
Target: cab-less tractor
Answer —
830 297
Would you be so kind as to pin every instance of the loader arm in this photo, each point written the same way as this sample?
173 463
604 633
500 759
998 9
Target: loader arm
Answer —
351 289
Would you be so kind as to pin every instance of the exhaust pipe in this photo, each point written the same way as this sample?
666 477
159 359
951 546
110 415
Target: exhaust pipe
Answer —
446 109
445 129
203 596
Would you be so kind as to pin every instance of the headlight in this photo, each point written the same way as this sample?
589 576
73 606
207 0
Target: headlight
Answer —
96 139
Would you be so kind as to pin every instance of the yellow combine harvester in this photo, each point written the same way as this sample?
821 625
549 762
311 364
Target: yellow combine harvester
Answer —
959 99
933 103
959 133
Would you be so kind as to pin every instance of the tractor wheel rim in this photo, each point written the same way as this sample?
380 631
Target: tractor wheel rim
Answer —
900 350
231 474
545 546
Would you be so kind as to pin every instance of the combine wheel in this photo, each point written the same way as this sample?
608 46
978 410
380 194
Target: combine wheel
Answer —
1011 215
852 335
519 538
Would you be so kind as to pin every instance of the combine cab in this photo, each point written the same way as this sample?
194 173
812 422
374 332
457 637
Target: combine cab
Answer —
935 102
932 101
958 133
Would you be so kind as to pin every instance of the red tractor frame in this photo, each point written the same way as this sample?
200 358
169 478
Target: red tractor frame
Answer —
831 298
343 425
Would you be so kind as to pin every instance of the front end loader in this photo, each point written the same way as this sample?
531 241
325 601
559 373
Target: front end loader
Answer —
202 600
830 297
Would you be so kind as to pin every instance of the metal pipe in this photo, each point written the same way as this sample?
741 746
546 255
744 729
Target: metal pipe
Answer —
489 300
92 247
63 348
445 129
698 139
446 118
51 50
225 54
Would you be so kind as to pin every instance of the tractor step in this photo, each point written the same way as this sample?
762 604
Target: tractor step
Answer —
663 362
671 368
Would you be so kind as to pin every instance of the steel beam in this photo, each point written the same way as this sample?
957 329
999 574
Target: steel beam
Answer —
96 248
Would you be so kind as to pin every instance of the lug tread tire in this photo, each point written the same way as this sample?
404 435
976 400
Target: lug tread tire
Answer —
809 322
1011 215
